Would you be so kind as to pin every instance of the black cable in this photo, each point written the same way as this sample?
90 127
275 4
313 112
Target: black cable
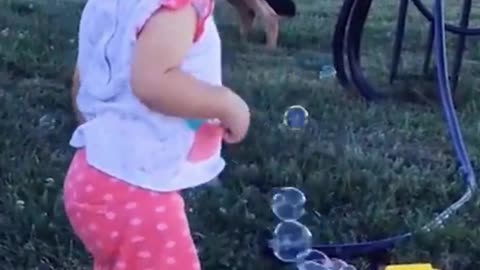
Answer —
446 97
359 16
448 27
338 43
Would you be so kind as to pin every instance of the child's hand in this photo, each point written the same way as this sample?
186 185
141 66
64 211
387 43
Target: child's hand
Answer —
236 118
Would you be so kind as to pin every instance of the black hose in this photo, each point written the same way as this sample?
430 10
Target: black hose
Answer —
446 97
349 27
354 38
448 27
338 44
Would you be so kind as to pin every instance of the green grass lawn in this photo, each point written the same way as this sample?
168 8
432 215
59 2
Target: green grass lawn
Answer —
370 170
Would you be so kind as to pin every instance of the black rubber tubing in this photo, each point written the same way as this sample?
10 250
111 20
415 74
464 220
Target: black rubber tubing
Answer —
448 27
354 38
338 43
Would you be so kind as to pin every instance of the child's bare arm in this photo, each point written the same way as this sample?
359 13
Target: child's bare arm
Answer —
74 93
155 77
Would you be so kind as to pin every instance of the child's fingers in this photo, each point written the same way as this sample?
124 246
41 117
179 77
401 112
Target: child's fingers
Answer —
231 137
227 136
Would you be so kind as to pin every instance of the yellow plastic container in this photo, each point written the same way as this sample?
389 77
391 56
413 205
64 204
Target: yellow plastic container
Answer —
424 266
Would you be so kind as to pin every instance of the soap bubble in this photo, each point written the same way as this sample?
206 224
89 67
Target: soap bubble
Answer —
288 203
315 260
291 241
338 264
291 195
311 265
47 122
327 71
319 257
348 267
295 117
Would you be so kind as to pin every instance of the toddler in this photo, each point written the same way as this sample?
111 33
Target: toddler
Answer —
148 93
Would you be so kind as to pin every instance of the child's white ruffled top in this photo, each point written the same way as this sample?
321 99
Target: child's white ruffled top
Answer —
122 137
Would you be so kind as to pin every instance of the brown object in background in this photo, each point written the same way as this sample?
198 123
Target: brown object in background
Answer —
269 11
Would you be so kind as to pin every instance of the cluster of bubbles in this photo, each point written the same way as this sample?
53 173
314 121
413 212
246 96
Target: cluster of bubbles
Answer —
292 241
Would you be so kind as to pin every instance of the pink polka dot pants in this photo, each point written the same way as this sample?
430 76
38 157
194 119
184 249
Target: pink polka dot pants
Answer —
125 227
